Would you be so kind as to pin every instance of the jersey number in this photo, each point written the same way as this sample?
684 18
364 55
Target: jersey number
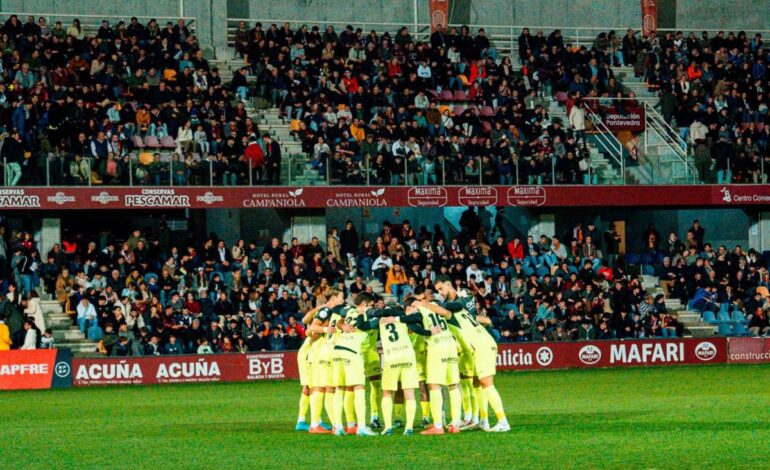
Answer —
332 323
393 334
470 319
437 321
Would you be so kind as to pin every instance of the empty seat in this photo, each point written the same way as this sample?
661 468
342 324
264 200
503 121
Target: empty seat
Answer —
709 317
460 95
137 141
446 95
151 141
487 111
168 142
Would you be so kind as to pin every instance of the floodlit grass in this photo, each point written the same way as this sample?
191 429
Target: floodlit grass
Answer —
708 416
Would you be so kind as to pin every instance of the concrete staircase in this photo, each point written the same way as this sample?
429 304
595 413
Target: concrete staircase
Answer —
662 164
66 335
296 169
607 171
690 319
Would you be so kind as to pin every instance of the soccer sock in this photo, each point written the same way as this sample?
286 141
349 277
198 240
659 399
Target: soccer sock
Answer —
398 411
304 404
375 395
425 408
350 408
339 406
359 400
411 411
495 401
455 405
466 387
316 408
329 405
387 411
436 407
481 399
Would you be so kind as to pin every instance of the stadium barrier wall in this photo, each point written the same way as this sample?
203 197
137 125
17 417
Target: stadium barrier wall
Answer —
35 369
42 369
381 196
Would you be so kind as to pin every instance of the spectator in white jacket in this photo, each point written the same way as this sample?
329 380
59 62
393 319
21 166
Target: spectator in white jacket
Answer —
34 310
86 315
381 266
577 120
30 337
184 139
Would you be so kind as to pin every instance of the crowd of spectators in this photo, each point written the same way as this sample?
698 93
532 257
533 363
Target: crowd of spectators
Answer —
90 107
150 296
380 107
713 90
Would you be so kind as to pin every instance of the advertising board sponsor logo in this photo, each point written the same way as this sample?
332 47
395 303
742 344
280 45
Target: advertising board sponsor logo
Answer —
739 197
18 199
104 198
157 198
705 351
526 196
209 198
590 354
544 356
60 198
477 196
200 370
266 366
514 358
358 198
278 198
109 372
659 352
427 196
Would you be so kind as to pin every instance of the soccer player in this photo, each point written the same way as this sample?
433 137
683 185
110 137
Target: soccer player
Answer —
303 365
349 373
322 330
442 365
399 361
460 311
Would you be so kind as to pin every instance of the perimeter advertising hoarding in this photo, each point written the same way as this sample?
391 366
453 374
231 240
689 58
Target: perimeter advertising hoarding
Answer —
36 198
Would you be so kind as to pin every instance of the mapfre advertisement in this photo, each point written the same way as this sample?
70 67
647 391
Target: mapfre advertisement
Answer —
184 369
35 369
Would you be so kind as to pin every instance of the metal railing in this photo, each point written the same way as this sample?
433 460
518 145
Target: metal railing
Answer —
607 140
90 23
670 141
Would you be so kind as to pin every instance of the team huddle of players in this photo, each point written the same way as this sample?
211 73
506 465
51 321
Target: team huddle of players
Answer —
426 346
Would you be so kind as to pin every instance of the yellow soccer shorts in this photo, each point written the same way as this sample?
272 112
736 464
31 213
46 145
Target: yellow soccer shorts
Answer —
348 369
467 364
485 360
442 367
403 372
372 364
421 367
321 367
303 364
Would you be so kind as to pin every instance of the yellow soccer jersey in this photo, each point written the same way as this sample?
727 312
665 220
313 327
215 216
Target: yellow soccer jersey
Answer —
396 344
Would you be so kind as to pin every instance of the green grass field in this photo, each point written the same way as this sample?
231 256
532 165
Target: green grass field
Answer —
717 416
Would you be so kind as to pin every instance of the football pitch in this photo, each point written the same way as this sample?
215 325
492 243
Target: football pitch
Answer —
672 417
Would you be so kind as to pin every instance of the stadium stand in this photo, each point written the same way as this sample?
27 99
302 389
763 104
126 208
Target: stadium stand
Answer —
122 293
136 103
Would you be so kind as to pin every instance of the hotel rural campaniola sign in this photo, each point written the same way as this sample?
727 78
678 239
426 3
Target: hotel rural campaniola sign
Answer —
378 196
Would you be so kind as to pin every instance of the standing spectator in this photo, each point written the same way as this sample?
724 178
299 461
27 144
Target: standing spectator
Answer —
272 160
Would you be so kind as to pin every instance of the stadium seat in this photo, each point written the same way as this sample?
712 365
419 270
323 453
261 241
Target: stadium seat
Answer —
151 142
458 110
460 95
709 317
487 111
168 142
446 95
137 141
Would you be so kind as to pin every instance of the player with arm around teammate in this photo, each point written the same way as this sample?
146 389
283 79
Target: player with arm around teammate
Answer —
460 309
